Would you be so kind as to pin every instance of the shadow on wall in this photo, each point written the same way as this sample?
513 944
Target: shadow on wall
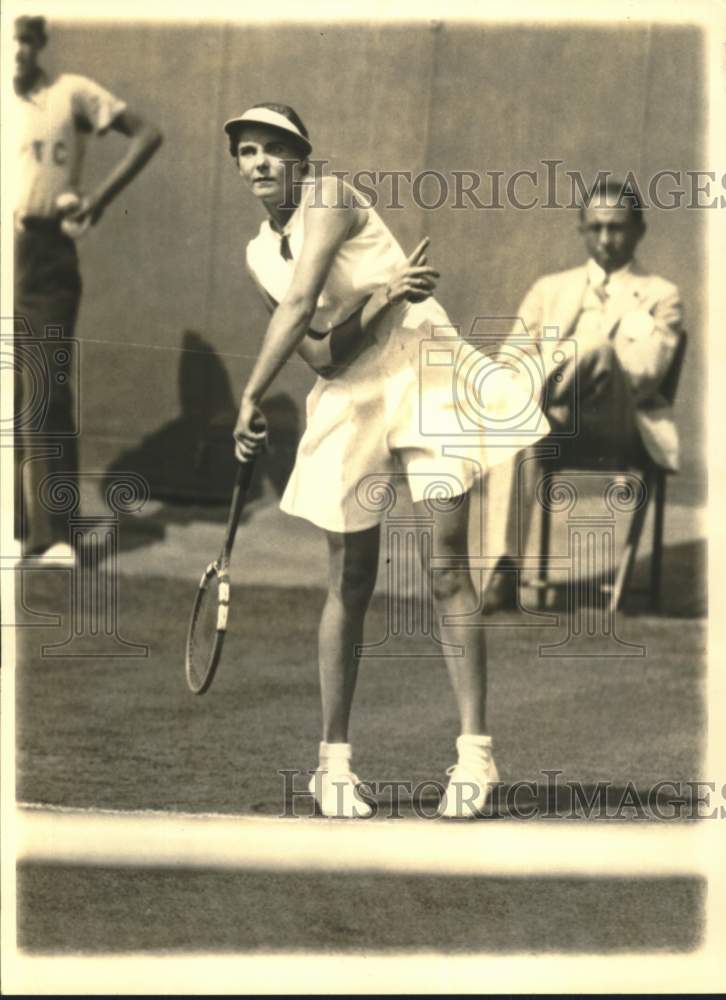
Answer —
191 459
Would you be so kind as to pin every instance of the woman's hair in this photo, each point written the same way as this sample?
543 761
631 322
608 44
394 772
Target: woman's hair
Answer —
282 109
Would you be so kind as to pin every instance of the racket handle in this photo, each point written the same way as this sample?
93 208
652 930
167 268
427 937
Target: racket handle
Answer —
244 474
243 479
242 483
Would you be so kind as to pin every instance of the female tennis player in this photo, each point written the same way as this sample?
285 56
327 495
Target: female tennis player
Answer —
342 293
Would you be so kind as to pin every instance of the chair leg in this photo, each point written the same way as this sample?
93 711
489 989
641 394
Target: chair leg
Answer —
627 562
544 555
656 561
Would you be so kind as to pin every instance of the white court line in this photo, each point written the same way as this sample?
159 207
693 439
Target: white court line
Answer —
52 808
336 974
498 848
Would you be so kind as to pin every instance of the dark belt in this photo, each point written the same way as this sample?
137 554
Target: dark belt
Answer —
40 224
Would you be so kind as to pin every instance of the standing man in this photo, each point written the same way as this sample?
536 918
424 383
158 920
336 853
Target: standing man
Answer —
626 325
53 116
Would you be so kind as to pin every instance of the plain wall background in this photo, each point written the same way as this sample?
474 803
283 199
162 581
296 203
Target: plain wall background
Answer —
169 253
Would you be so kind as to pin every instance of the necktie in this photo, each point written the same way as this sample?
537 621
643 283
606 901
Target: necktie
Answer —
285 247
588 307
601 290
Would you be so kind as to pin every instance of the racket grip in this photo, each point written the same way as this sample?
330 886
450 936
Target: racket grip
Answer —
244 473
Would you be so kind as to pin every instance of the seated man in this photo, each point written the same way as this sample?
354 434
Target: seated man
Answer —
626 325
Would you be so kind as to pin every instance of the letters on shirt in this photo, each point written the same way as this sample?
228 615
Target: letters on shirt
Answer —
59 154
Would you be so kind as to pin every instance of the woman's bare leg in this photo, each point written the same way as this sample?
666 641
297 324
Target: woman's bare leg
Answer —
454 595
353 566
475 772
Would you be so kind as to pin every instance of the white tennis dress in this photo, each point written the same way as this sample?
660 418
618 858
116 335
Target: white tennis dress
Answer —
420 404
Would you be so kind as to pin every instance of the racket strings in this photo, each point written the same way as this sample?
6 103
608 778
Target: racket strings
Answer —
208 623
203 635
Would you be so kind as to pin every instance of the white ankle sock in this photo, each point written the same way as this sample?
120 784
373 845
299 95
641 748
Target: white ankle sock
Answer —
474 749
335 756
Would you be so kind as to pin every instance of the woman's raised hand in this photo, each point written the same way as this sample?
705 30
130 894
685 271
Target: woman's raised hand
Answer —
414 280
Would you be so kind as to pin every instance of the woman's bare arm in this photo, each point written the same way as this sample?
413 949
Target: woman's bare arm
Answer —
331 354
289 325
327 353
327 224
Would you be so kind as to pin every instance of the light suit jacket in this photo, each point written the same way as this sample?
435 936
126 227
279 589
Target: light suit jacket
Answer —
644 318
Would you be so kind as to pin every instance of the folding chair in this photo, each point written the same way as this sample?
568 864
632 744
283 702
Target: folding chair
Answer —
654 478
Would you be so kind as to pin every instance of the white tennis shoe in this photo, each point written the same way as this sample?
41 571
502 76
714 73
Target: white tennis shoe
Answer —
336 793
59 555
470 784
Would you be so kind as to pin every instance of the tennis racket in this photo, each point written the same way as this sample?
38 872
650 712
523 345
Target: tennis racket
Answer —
208 623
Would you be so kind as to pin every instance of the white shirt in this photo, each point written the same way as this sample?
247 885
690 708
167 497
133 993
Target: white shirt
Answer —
596 275
50 126
592 312
362 264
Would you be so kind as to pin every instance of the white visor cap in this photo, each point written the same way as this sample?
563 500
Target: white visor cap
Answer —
266 116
